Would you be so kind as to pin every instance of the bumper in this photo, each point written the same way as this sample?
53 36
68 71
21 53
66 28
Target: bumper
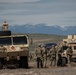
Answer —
14 54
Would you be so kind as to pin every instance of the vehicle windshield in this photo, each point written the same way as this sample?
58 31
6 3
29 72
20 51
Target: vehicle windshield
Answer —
5 41
74 47
64 47
19 40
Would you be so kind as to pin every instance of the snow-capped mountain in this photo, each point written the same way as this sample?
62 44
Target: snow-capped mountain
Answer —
43 29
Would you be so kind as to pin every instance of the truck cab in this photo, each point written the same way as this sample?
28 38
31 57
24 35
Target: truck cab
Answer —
14 49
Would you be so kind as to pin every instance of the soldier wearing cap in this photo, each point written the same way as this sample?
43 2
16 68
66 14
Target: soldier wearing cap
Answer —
38 53
52 53
69 55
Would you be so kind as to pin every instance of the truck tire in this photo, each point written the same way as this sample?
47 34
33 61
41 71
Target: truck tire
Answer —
59 62
24 62
0 65
5 33
64 61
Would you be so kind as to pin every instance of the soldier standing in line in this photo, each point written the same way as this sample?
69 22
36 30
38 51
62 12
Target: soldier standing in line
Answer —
52 53
69 55
44 55
59 56
39 59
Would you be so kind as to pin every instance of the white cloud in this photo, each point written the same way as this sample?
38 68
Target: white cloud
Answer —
18 1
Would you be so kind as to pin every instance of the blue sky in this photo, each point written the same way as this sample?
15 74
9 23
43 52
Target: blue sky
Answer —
50 12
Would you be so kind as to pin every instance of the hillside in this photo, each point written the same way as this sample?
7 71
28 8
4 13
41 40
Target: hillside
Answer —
43 29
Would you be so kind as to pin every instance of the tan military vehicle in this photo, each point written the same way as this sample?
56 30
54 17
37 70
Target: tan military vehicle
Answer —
14 49
70 41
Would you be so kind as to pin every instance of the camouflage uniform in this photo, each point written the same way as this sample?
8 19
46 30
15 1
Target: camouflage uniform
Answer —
38 53
52 53
44 55
59 56
69 55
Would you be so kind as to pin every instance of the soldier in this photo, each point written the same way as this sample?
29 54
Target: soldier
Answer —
38 53
69 55
59 56
44 55
52 53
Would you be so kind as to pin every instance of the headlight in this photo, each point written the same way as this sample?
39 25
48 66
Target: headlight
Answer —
24 48
18 57
7 58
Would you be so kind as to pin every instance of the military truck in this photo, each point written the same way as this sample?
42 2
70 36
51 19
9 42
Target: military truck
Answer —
14 49
70 41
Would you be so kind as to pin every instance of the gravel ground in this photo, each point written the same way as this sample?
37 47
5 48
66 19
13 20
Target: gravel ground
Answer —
49 71
44 71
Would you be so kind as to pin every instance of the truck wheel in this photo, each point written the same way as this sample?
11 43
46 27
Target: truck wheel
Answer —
24 62
0 65
64 61
5 33
59 62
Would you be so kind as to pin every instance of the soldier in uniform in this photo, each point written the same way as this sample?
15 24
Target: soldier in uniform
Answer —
69 55
52 53
39 59
44 55
59 56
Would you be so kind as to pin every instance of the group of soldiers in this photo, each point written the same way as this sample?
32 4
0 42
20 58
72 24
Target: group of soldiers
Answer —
54 55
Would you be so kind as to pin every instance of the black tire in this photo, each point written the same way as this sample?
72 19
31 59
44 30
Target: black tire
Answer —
64 61
5 33
24 62
59 62
1 65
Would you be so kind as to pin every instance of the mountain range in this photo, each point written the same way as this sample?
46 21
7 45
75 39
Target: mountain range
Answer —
43 29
